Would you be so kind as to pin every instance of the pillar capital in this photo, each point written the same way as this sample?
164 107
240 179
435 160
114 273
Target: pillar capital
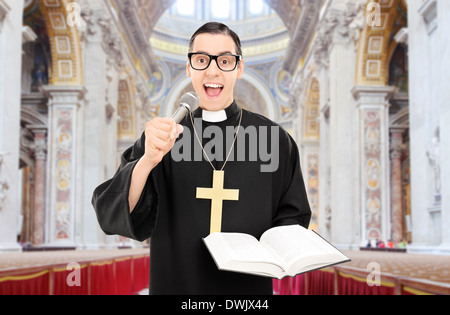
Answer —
64 95
373 95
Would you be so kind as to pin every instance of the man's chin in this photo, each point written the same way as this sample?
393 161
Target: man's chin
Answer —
215 104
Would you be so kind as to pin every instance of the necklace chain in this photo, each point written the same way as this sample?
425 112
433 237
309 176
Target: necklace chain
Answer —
232 146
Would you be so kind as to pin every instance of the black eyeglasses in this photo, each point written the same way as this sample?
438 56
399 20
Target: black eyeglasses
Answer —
225 62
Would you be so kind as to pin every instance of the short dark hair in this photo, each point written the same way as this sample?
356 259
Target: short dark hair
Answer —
216 29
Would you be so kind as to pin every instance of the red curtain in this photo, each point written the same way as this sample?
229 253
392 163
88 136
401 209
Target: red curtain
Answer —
276 286
282 287
122 276
299 285
61 286
349 284
103 279
141 276
321 283
32 283
343 281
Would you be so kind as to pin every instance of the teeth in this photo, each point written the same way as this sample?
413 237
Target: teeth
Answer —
214 86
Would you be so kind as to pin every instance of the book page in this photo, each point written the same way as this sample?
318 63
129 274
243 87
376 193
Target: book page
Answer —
236 247
293 243
241 247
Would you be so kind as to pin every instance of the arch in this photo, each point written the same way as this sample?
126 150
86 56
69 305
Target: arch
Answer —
126 125
310 145
29 119
377 43
180 87
273 112
66 67
311 127
32 118
400 119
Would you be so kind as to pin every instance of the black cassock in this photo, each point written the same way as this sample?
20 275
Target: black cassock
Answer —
173 218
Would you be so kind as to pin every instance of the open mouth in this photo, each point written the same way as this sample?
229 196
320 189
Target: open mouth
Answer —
212 89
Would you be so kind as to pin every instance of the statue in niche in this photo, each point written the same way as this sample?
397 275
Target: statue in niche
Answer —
434 157
39 74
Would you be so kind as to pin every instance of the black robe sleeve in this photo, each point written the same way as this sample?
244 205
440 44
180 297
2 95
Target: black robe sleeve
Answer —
293 207
110 200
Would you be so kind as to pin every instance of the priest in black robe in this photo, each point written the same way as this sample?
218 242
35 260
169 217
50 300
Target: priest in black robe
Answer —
168 211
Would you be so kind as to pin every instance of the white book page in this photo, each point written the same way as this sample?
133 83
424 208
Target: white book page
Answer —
291 243
242 247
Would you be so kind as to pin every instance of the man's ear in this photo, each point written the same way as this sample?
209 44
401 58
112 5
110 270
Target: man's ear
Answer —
188 70
241 69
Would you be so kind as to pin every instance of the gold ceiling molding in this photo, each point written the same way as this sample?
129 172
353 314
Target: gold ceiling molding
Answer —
66 67
376 44
250 51
311 128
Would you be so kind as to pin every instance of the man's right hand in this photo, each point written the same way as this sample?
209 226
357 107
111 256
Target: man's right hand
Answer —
160 137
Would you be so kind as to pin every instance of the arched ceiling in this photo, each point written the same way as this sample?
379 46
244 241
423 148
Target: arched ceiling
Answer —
150 11
139 18
299 17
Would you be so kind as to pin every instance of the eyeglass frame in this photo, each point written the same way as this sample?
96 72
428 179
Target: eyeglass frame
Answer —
214 57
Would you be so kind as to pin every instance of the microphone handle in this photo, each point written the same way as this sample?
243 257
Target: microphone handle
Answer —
179 115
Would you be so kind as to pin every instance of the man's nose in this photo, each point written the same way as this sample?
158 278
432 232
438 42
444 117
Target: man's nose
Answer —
213 69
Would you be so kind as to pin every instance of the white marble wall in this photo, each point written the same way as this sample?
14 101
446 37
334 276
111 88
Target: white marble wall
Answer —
444 115
10 91
429 44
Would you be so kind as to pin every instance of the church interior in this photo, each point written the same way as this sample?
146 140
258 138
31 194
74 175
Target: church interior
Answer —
362 87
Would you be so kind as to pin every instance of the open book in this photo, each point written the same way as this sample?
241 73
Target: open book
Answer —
281 252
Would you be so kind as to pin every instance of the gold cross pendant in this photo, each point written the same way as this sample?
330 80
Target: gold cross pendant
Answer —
217 194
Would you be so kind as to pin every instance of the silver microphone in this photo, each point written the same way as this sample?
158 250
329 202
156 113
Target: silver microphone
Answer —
189 102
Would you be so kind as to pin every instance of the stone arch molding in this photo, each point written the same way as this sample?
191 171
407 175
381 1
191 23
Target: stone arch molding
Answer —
33 135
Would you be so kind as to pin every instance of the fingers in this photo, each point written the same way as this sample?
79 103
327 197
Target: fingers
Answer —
161 134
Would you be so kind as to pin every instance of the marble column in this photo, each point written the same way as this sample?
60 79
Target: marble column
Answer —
102 60
311 158
397 233
64 105
11 21
443 93
373 106
344 212
40 171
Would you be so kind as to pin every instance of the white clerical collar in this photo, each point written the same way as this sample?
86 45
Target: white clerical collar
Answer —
214 117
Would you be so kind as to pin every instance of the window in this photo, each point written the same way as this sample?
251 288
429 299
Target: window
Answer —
255 7
185 8
220 9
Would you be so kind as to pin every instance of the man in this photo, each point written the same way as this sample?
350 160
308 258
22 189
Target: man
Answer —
153 195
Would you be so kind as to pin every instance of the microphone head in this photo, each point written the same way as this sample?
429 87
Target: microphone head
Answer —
191 100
